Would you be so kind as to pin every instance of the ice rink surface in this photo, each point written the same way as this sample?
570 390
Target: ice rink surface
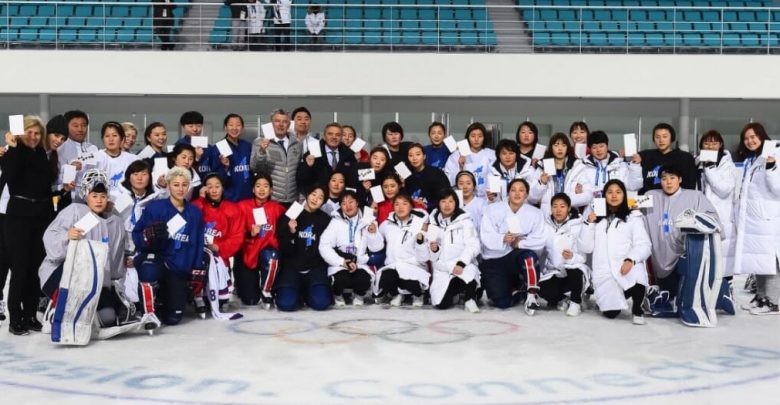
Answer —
376 355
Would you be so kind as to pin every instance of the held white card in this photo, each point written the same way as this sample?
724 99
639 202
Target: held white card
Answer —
644 201
16 124
494 184
562 242
629 145
539 152
434 233
295 209
464 148
600 207
146 152
259 214
169 148
366 174
314 147
402 170
175 224
199 141
357 145
268 130
549 166
87 159
513 223
224 148
580 150
87 222
708 156
209 239
769 148
376 194
451 143
68 174
460 198
368 215
121 202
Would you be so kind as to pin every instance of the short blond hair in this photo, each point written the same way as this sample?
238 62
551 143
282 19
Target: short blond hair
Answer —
128 126
177 171
34 121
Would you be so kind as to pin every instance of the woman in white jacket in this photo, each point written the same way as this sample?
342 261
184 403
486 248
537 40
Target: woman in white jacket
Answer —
315 22
478 160
344 246
565 180
620 246
603 165
466 184
758 221
452 245
510 164
565 269
405 270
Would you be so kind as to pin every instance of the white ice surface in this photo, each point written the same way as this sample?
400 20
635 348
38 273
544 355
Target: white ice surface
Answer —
375 355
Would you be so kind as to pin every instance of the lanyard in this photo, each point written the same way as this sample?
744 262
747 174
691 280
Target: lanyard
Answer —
352 230
747 164
598 171
559 180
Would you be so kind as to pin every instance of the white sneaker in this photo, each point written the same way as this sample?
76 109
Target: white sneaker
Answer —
2 310
765 307
752 304
638 320
338 301
357 301
563 305
531 305
471 306
396 301
574 309
417 301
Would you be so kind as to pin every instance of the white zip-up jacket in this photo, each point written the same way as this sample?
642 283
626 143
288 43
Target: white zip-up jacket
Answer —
348 235
494 226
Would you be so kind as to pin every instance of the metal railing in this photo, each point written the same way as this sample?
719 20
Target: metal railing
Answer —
474 27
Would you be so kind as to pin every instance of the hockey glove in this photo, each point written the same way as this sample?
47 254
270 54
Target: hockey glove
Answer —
155 235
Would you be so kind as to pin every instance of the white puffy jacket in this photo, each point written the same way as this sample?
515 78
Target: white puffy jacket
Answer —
458 242
719 184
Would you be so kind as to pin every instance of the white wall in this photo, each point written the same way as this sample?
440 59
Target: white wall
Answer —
386 74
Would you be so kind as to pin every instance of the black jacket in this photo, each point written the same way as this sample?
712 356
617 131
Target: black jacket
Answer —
29 178
321 170
653 160
428 184
300 251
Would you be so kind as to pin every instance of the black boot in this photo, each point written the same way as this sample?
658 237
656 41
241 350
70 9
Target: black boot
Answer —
33 324
18 329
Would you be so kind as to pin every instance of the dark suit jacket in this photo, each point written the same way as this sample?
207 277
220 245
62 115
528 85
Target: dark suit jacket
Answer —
321 170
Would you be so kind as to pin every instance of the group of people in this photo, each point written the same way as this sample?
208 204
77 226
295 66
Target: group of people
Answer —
297 219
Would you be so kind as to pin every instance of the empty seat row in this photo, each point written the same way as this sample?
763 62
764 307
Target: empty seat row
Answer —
641 39
76 35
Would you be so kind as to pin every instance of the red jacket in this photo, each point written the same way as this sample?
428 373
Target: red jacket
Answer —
223 221
385 208
267 236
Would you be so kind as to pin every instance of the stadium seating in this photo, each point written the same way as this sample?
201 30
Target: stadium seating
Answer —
661 25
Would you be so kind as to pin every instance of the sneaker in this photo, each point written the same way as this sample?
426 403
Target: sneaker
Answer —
563 305
638 320
417 301
33 324
200 307
765 307
18 329
396 301
752 304
357 301
574 309
338 301
531 305
471 306
2 310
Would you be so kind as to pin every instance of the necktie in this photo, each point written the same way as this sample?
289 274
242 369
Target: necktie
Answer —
333 161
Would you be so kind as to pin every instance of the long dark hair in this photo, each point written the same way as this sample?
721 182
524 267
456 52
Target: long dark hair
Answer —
742 151
622 211
559 136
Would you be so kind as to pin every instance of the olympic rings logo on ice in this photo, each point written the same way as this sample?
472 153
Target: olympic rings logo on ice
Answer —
393 330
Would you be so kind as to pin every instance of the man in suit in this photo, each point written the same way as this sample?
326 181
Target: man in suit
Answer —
336 157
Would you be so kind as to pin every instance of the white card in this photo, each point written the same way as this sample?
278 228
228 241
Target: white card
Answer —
629 145
549 166
451 143
464 148
268 130
175 224
460 198
494 184
259 214
68 174
366 174
314 147
600 207
224 148
146 152
169 148
539 150
16 124
644 201
160 167
580 150
561 243
377 195
368 215
402 170
708 156
295 209
121 202
357 145
87 222
434 233
199 141
769 148
87 159
513 223
209 239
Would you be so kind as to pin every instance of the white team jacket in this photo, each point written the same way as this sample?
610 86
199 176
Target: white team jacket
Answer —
404 255
348 235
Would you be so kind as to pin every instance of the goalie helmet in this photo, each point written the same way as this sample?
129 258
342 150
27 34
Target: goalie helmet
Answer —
691 221
92 178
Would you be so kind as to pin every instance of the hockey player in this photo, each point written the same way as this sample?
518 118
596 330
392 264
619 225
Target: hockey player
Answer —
510 164
256 271
303 275
512 236
234 169
405 271
620 246
669 243
564 269
452 243
169 239
344 246
477 162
